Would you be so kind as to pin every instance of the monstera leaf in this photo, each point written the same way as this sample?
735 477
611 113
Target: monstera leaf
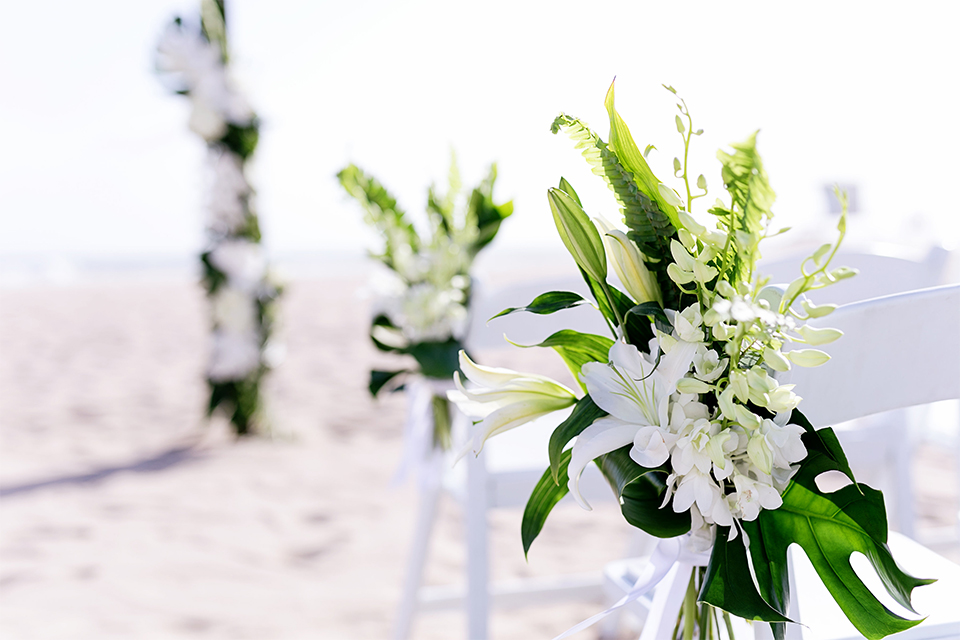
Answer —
829 527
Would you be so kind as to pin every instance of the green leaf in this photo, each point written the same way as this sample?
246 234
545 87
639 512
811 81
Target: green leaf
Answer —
728 584
547 303
242 140
576 349
641 493
654 312
551 488
380 378
578 233
622 144
830 527
824 441
650 228
399 342
437 359
585 413
486 213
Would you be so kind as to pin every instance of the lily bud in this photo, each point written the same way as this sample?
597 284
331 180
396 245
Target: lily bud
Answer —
629 265
579 235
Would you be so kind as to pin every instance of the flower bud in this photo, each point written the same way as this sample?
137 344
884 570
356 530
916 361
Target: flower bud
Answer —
807 357
692 385
579 235
775 360
812 335
629 266
690 224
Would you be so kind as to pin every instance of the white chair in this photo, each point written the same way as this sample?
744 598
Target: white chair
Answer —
873 453
898 351
503 476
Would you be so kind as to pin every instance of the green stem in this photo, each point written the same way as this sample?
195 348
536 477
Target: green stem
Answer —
690 609
613 304
729 625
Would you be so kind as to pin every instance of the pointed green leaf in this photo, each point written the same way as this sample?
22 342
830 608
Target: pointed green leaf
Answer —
549 491
547 303
576 349
585 413
380 378
622 144
641 493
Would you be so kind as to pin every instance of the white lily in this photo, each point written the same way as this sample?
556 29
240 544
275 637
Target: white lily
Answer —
636 395
505 399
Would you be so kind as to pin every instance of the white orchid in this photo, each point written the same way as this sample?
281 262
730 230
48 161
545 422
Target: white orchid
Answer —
776 444
753 495
505 399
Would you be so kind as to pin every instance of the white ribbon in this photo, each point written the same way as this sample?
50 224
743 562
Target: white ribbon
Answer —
418 444
671 556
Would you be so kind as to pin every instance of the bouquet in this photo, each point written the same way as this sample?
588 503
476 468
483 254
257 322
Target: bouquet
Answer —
241 292
681 407
423 306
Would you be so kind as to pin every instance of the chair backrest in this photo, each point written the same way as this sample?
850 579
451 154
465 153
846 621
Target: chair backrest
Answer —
884 270
897 351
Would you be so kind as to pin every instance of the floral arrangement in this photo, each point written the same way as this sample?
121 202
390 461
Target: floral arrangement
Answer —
239 287
424 296
681 408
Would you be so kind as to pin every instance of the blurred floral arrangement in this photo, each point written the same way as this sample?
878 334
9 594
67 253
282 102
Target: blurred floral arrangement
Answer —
681 409
423 296
242 294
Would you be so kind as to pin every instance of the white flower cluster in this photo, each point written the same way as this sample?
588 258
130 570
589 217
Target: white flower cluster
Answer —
198 65
228 193
431 310
237 334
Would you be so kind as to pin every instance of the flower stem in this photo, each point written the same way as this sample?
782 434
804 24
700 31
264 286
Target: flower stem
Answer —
690 609
726 621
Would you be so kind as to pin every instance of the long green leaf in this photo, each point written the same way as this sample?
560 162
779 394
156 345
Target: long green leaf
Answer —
576 349
641 494
621 141
549 302
437 359
585 413
551 488
649 227
378 379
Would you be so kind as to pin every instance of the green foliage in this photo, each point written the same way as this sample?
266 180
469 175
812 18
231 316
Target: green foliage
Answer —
585 413
547 303
380 211
751 200
242 140
485 213
379 379
641 491
649 227
550 489
576 349
830 527
437 359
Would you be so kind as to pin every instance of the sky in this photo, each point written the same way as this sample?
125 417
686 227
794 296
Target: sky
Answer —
99 161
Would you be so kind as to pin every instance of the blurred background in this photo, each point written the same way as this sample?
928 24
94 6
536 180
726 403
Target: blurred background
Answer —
125 515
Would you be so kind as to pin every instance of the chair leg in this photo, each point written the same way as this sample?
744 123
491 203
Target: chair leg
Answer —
903 463
429 499
477 568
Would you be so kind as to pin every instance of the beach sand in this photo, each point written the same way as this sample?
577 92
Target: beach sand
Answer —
126 515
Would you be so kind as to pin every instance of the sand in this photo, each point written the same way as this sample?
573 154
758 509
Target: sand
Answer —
126 515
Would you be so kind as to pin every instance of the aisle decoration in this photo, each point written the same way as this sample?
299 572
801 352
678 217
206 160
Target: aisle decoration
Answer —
681 408
241 292
424 293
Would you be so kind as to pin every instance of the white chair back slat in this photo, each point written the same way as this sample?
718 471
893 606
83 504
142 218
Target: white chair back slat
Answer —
898 351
